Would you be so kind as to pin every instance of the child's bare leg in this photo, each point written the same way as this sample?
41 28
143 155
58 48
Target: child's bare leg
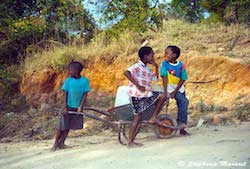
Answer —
157 109
133 128
57 139
63 138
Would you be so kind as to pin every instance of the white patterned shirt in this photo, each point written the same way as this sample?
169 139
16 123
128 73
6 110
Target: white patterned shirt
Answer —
144 76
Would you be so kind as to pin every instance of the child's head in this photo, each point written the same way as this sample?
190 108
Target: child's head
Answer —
146 54
172 53
75 68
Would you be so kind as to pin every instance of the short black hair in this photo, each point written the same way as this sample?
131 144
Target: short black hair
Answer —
145 50
76 65
175 49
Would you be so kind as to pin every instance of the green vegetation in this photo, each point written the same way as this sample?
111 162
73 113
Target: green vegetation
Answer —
206 39
24 23
134 15
192 11
241 108
233 11
10 77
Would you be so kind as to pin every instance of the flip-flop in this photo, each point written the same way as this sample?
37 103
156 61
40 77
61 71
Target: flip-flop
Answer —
134 145
64 146
184 133
54 148
138 144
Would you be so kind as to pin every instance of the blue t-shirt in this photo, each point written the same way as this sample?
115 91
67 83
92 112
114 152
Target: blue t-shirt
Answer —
76 89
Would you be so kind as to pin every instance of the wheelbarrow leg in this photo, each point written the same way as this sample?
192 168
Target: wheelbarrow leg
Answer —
120 131
124 132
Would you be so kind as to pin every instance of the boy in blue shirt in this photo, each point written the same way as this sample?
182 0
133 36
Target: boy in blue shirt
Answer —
174 75
75 89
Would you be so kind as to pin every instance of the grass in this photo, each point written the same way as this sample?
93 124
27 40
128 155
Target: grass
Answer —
242 108
206 39
242 112
10 77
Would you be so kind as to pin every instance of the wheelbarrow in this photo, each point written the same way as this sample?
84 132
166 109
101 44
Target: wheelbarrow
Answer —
122 116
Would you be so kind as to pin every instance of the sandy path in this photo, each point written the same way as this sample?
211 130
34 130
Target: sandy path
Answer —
206 148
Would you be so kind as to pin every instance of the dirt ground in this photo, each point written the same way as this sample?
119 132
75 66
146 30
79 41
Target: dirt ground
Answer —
215 147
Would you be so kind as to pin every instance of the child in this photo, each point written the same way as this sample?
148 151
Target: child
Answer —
141 76
174 75
75 89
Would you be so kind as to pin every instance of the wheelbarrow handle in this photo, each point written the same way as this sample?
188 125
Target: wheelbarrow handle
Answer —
91 116
98 111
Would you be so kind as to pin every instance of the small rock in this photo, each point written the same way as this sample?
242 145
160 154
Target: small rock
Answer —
200 123
10 114
221 49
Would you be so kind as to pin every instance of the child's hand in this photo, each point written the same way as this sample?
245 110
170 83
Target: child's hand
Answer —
172 95
141 88
79 109
65 110
166 95
154 63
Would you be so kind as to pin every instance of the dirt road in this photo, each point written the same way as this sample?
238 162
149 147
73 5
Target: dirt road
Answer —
209 147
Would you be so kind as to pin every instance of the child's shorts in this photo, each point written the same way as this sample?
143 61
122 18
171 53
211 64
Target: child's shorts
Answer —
142 104
69 121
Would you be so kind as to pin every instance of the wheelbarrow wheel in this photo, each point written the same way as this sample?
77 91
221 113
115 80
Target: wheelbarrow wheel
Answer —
164 132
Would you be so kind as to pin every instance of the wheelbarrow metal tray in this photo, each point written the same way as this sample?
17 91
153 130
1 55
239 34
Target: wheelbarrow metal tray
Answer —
126 112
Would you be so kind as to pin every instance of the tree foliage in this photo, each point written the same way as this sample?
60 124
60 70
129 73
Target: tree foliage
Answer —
26 22
228 11
190 10
135 15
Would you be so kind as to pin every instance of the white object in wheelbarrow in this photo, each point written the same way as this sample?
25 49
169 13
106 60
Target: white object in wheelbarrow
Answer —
122 96
157 88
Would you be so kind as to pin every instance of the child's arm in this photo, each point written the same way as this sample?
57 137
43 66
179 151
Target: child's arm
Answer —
165 84
83 100
128 75
183 78
156 67
65 99
165 94
164 76
177 88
